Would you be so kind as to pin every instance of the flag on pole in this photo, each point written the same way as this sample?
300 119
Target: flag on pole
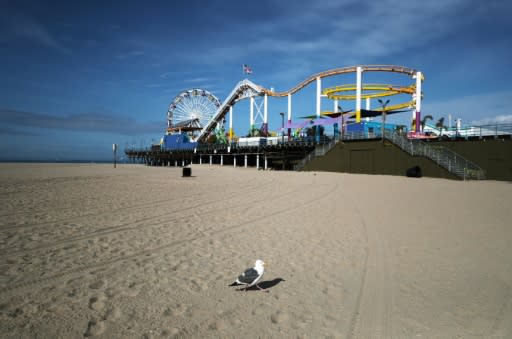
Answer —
246 69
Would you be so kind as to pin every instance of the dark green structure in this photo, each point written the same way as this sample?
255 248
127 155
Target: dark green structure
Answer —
493 155
376 157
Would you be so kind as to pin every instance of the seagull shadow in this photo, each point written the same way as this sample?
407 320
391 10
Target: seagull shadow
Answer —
264 285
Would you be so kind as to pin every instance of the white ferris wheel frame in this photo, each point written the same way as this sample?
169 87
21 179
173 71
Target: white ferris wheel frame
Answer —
191 104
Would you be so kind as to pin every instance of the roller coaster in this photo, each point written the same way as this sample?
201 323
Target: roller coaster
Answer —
200 112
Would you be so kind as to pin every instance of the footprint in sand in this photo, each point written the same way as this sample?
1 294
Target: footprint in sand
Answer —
97 284
167 312
94 328
260 309
170 333
132 291
301 322
97 303
218 325
177 310
112 313
110 292
279 317
12 261
197 286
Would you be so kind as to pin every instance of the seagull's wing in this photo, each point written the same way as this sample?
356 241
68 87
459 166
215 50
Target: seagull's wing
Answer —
248 276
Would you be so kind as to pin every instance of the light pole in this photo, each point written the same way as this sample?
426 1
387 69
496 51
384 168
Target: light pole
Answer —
282 127
342 123
114 148
282 135
383 104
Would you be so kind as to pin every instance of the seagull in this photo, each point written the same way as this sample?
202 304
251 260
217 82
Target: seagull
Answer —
251 276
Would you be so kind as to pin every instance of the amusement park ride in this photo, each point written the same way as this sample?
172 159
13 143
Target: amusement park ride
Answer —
196 114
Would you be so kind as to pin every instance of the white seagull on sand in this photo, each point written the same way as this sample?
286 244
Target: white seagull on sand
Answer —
251 276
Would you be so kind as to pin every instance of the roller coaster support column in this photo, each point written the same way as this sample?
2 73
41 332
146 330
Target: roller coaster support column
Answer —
230 124
265 115
418 101
289 114
252 116
368 107
335 125
359 76
318 106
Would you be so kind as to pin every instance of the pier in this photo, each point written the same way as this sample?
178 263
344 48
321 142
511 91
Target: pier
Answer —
283 156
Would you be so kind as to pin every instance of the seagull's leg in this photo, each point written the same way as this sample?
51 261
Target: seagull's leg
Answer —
262 289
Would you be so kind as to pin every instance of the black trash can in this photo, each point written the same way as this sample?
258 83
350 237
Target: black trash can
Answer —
187 171
414 172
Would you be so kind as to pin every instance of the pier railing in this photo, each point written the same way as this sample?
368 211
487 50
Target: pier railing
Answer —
482 131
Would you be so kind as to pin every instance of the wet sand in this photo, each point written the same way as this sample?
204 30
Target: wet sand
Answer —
141 252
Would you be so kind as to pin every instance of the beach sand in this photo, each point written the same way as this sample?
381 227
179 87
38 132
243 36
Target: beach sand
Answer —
142 252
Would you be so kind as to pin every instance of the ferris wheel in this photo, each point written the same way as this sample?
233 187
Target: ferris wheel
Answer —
192 104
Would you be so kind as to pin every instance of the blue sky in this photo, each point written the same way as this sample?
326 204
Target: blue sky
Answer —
79 76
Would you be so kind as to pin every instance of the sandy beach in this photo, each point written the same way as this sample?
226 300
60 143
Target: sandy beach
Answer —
142 252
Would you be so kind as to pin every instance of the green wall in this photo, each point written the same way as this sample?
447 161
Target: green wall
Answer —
375 157
493 155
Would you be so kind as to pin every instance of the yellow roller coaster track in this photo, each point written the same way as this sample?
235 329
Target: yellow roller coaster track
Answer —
378 91
343 70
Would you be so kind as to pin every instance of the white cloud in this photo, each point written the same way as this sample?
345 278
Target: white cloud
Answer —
196 80
351 32
174 74
167 75
499 119
21 26
475 109
89 122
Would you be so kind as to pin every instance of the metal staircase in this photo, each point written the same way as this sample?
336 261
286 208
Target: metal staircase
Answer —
442 156
320 150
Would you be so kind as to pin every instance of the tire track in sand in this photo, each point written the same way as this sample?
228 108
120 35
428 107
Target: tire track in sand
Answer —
165 248
372 316
62 241
93 210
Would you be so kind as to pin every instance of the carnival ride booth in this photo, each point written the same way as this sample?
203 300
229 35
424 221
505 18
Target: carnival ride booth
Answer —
178 142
